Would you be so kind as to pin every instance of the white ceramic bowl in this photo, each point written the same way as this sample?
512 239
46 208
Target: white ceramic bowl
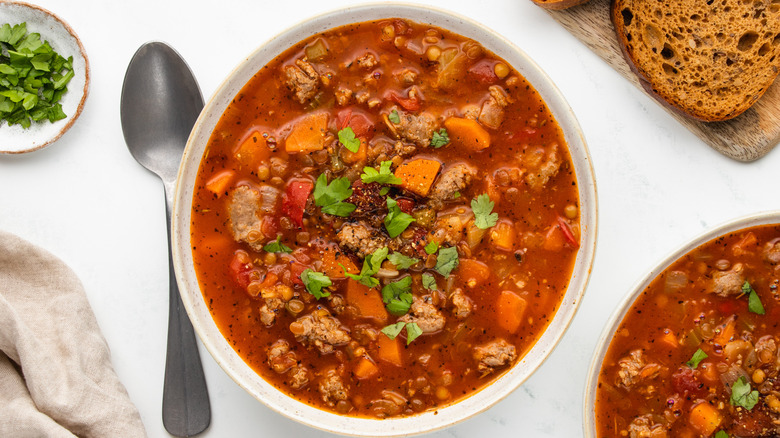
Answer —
589 403
427 421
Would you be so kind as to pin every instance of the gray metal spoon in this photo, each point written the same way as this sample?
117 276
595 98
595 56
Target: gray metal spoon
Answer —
160 103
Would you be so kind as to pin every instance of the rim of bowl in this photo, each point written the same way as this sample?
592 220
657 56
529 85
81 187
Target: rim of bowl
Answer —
604 340
453 413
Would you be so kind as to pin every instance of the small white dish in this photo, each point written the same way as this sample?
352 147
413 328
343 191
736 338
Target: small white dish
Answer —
15 139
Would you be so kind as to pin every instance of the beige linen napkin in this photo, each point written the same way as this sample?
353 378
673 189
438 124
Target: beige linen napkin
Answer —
56 377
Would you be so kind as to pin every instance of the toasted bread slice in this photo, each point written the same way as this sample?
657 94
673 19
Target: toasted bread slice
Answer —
709 59
558 4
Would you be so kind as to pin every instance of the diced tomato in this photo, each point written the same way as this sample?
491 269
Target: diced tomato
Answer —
360 123
406 205
295 197
242 269
483 71
568 233
409 104
296 269
686 381
730 306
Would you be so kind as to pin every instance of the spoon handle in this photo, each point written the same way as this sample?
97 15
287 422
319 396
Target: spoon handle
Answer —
186 410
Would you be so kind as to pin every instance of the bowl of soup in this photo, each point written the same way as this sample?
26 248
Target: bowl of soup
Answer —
385 220
692 351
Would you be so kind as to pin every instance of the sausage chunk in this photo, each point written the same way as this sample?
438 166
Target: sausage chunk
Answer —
633 369
725 283
426 315
494 354
332 388
772 252
321 330
643 427
299 377
245 217
454 179
360 239
280 358
367 61
416 129
302 79
492 111
461 304
542 167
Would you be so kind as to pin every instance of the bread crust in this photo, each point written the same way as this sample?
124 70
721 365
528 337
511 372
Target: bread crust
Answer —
710 62
558 5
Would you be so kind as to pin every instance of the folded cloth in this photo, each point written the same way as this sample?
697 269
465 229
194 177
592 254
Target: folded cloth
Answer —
56 377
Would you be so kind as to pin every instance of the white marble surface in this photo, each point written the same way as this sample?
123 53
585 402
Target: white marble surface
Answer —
86 200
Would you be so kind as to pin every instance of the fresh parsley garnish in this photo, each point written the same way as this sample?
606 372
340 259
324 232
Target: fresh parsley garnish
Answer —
429 281
277 246
431 247
413 331
394 117
330 196
397 296
697 357
396 220
371 265
348 139
456 195
742 395
440 138
401 261
721 434
316 281
754 302
384 190
383 176
33 77
446 261
482 207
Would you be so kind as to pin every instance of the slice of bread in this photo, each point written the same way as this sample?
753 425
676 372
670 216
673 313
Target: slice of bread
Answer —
558 4
710 59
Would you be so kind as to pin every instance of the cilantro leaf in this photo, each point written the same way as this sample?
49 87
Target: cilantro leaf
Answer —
754 301
393 330
371 265
397 296
697 357
396 221
742 395
446 261
277 246
329 196
429 282
383 176
394 117
440 138
413 331
348 139
401 261
315 281
482 207
431 247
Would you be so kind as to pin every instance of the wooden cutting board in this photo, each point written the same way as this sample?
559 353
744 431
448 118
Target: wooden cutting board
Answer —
745 138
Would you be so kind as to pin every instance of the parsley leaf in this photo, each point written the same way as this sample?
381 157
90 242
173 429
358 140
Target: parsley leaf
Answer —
697 357
446 261
741 394
413 331
277 246
431 247
330 196
348 139
721 434
384 190
482 207
397 296
315 282
393 330
396 221
394 117
440 138
754 302
429 282
383 176
371 265
33 77
401 261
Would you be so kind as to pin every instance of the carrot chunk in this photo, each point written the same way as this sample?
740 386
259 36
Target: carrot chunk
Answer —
350 157
389 350
467 133
308 134
366 300
502 236
332 259
365 369
473 272
705 418
417 175
219 182
726 331
511 309
253 150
